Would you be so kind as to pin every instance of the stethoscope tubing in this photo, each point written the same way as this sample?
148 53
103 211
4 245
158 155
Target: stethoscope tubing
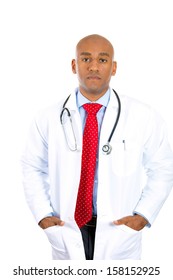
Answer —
117 118
107 147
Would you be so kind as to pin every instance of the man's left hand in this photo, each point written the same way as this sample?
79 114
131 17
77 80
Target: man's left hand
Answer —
135 222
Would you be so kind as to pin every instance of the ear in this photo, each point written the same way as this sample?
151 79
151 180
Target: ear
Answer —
114 68
73 66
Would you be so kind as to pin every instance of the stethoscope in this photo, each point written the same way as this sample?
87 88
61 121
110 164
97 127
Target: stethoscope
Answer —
107 148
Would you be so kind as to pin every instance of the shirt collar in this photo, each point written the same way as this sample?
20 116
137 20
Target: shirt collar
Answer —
81 100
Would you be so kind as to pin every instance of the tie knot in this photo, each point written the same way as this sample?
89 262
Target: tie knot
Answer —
92 108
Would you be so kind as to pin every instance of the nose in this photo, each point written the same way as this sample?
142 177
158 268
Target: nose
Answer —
93 66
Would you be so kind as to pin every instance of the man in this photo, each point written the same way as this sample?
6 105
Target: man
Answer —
90 204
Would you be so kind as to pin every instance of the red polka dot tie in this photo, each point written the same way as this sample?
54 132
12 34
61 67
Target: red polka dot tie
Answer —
83 212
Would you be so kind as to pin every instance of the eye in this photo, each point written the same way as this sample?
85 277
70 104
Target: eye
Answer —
102 60
86 59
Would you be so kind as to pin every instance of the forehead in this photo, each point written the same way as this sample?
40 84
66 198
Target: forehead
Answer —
94 46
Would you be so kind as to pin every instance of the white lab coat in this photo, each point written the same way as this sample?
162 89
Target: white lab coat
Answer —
52 174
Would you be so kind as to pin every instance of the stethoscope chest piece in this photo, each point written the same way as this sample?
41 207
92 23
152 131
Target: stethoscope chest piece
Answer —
107 148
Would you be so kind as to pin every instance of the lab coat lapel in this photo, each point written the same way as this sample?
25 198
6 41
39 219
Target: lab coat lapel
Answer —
76 119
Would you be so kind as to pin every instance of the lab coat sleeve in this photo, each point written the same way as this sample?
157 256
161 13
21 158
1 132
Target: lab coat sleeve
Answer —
158 164
35 170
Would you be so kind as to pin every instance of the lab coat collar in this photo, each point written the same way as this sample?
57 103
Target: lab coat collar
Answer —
72 105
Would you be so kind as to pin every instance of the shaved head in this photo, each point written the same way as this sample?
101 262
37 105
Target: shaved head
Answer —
97 40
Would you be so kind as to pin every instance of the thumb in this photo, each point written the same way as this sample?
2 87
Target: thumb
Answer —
57 221
118 222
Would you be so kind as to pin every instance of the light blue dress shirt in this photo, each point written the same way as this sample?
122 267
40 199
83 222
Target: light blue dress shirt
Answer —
104 100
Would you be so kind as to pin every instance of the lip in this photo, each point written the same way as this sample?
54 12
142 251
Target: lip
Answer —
93 77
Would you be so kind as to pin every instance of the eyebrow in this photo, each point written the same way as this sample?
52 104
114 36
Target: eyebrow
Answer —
101 53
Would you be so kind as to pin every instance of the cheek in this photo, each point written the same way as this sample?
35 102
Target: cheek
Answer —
81 73
106 75
106 70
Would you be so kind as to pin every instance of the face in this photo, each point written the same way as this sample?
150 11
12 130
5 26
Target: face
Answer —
94 66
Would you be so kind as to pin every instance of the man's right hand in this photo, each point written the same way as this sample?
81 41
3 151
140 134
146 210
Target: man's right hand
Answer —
50 221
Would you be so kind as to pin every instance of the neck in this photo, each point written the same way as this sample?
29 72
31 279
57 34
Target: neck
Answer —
92 96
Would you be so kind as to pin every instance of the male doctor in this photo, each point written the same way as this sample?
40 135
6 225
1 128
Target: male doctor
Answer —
92 204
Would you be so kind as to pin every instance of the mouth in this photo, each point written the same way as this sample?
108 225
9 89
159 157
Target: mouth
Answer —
93 77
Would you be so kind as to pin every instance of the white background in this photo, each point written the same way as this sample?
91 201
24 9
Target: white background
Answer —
37 42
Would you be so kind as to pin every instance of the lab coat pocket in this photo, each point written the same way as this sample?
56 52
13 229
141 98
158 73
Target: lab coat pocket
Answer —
117 242
128 229
54 235
126 156
127 243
